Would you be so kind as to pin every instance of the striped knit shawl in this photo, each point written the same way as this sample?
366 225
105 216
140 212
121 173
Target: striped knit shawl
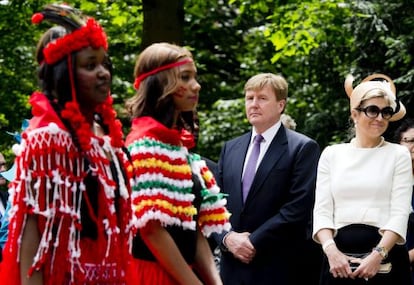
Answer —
162 181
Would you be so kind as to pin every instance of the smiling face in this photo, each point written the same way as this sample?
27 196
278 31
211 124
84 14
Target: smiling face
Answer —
370 128
263 110
93 77
185 97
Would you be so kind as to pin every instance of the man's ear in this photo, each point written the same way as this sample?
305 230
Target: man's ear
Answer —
282 104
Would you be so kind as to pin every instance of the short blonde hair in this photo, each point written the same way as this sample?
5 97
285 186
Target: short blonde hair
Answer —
277 82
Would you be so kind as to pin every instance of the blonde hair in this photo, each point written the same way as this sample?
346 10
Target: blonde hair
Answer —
276 82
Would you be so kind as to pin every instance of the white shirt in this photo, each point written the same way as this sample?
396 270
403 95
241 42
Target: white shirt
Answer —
371 186
268 136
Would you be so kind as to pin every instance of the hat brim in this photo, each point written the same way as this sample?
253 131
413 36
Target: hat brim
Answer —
400 114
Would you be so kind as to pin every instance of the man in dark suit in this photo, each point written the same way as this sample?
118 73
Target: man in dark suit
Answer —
268 243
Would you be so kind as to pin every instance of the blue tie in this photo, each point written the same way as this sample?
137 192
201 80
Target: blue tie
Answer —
250 170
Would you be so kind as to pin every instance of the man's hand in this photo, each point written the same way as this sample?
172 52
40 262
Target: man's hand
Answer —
240 246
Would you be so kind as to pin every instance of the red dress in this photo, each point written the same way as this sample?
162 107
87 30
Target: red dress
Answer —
82 206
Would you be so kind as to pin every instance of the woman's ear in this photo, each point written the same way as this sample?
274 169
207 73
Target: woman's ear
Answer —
354 115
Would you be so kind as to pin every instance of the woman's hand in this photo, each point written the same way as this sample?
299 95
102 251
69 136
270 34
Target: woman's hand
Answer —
338 262
369 266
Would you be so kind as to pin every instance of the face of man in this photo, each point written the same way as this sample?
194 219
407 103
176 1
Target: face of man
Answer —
263 110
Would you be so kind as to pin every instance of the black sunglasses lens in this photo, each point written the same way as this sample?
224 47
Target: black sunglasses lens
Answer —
387 112
372 111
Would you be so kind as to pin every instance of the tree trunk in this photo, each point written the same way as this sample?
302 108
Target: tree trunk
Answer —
163 21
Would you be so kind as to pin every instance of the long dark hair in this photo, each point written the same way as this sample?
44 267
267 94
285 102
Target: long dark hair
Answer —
54 79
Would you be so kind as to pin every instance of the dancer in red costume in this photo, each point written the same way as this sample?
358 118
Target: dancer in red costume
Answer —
176 201
70 215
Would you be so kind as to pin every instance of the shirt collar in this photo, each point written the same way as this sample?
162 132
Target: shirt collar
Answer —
269 134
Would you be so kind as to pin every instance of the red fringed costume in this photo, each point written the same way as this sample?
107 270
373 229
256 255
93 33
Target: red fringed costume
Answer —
50 184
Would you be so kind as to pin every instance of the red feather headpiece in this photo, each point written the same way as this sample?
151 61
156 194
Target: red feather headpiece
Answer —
85 32
82 32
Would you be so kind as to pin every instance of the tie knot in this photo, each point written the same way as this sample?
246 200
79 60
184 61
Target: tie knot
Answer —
258 139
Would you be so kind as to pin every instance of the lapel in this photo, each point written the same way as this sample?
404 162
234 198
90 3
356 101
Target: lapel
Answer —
272 156
239 153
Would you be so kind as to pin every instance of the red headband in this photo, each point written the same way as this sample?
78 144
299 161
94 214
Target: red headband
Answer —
158 69
91 34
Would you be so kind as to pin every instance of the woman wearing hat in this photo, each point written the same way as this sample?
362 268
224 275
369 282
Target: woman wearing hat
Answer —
363 194
70 211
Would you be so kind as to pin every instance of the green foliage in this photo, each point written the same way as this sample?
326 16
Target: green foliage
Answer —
229 48
225 120
314 44
17 67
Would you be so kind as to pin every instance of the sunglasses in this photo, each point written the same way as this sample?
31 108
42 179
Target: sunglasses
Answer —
373 111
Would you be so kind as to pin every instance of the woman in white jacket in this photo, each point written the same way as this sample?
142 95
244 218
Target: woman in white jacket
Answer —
363 194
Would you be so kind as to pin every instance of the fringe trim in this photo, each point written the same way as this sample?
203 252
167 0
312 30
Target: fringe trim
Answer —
162 185
213 216
49 184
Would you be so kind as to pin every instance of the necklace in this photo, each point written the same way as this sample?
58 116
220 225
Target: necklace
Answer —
354 141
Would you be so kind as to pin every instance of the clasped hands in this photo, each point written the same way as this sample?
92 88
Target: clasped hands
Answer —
343 266
240 246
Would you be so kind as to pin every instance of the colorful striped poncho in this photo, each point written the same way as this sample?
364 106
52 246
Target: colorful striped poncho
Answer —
162 181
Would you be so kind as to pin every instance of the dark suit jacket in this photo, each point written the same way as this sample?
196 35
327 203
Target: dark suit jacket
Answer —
277 210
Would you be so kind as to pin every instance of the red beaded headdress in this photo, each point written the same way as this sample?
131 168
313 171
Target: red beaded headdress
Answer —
83 32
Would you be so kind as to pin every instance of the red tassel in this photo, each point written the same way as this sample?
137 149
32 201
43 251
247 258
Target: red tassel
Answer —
37 18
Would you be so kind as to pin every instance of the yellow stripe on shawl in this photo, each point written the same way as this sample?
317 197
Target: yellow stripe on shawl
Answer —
157 163
207 175
213 217
188 211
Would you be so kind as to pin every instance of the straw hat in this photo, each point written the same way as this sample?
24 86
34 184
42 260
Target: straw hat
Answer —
362 90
